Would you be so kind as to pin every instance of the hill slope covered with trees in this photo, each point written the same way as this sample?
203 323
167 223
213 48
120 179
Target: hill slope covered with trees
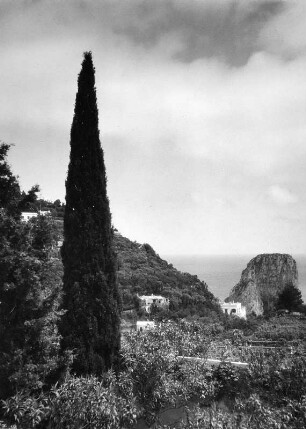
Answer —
141 271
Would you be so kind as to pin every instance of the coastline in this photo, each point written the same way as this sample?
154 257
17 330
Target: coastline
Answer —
222 272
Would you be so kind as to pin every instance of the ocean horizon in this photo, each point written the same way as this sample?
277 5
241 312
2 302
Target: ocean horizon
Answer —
223 272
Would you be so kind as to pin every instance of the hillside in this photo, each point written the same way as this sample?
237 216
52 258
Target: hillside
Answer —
141 271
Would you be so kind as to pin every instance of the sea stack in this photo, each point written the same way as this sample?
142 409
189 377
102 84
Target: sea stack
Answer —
263 280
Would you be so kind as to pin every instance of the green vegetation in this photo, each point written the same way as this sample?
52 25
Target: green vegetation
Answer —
290 299
154 378
141 271
90 325
30 292
9 186
55 208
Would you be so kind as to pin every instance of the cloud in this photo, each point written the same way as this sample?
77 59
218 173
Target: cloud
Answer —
251 118
206 29
281 195
285 33
292 220
200 110
245 121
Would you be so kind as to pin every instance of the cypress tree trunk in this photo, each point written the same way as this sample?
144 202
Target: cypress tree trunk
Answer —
91 325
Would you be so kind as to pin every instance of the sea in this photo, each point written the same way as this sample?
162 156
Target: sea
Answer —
222 272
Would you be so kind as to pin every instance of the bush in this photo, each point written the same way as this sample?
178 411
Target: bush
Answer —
27 411
278 375
230 382
154 375
78 402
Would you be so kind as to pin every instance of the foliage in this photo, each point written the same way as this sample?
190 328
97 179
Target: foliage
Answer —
27 411
28 200
78 402
290 298
154 376
9 186
251 413
55 208
281 328
247 326
159 375
276 377
277 374
91 325
30 289
143 272
30 292
89 402
230 381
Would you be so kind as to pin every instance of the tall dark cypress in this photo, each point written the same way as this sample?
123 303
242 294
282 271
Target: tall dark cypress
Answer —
91 325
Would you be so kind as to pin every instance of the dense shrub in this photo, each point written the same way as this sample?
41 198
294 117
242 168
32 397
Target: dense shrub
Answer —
154 376
285 328
81 402
78 402
30 295
278 375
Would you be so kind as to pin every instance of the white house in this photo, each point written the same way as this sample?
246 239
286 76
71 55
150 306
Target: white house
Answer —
45 212
234 308
25 216
148 300
144 325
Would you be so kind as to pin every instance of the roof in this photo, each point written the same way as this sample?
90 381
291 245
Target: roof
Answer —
152 297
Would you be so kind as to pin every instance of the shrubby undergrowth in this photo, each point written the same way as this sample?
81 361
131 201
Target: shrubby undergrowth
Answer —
153 377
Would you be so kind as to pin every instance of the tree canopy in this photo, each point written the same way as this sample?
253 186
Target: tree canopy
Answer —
30 291
9 186
290 298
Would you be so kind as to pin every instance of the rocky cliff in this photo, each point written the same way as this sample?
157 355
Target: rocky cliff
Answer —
262 281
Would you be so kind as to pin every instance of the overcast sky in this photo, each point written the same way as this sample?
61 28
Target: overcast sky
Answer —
202 108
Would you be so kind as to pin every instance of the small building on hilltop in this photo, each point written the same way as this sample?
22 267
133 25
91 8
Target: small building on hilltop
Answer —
148 300
234 309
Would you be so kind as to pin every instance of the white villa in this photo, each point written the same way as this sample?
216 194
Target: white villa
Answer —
234 308
25 216
44 212
148 300
144 325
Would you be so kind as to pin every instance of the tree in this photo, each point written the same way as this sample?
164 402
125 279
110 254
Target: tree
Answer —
28 201
30 290
91 325
9 186
290 298
11 198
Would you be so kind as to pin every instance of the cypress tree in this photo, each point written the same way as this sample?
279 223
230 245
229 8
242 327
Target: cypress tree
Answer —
91 324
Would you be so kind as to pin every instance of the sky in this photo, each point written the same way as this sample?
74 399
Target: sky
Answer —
202 114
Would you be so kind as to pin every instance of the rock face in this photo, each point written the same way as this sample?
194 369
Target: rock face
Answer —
262 281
